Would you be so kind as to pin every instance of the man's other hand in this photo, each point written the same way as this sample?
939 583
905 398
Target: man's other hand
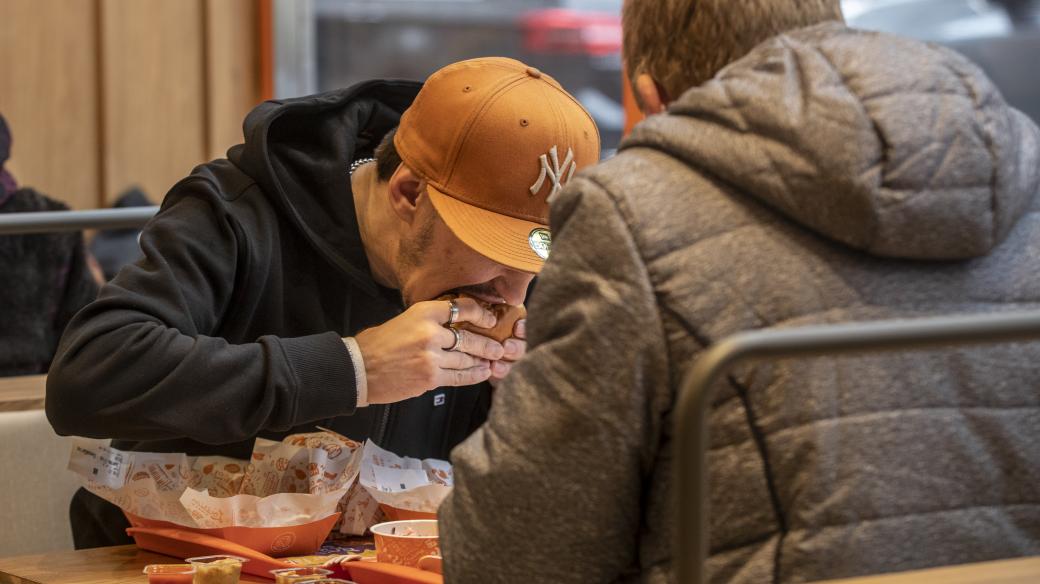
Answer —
515 348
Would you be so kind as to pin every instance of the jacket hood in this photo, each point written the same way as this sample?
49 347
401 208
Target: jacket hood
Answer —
892 146
299 152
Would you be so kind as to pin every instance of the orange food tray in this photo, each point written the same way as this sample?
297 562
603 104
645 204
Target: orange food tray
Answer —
181 543
296 540
395 514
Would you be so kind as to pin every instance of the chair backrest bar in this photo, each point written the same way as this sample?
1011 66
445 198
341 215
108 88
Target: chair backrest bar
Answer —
696 393
53 221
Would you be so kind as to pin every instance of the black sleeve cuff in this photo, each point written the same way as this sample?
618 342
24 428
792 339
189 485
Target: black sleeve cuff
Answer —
325 373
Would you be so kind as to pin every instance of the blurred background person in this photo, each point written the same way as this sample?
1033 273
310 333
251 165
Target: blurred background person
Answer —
115 248
46 278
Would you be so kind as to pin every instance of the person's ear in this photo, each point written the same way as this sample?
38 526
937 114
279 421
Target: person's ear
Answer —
652 96
404 190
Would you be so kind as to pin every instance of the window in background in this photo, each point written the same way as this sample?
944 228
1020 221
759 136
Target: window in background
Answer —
1002 36
327 44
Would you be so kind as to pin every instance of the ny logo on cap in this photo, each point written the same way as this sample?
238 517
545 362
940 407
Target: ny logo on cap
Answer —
559 175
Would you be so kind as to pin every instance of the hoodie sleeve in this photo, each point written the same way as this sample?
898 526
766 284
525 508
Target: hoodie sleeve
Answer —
78 288
142 362
551 486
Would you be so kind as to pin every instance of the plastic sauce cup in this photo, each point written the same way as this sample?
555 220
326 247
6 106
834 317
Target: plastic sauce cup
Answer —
169 573
221 569
290 575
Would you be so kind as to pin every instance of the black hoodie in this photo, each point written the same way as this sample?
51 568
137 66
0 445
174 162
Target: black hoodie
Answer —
230 326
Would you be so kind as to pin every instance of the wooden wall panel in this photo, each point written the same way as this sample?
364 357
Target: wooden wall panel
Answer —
48 93
153 93
232 70
105 94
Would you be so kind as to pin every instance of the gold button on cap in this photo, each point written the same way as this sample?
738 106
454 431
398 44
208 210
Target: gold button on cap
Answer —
534 72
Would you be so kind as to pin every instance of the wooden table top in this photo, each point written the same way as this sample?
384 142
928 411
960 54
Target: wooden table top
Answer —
22 393
1017 571
112 565
123 565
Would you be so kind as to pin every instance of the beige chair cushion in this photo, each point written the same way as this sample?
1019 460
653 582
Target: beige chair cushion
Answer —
35 487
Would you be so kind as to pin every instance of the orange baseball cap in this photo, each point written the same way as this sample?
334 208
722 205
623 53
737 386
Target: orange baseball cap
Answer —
495 139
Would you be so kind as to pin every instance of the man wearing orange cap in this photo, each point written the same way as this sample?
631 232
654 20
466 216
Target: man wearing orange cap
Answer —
294 283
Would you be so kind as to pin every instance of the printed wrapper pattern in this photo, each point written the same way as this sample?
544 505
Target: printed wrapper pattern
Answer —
405 483
359 511
293 482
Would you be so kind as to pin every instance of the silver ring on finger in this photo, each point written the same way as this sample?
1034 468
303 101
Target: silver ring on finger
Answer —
458 340
453 312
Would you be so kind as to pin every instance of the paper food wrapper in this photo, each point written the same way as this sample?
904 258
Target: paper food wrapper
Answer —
294 482
402 483
359 511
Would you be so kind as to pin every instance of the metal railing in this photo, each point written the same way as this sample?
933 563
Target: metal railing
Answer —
696 393
54 221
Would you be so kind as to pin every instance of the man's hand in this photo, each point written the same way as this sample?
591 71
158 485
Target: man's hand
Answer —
514 349
407 356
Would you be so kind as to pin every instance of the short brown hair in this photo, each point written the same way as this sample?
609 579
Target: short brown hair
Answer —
683 43
387 158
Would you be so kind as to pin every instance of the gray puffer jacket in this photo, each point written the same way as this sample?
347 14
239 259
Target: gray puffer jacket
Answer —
832 175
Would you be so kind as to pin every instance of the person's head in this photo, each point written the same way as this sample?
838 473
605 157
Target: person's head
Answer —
670 46
7 184
469 172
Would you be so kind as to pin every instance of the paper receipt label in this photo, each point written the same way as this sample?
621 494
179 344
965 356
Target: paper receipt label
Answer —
101 464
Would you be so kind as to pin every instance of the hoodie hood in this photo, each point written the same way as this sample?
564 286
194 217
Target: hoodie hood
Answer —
894 147
299 152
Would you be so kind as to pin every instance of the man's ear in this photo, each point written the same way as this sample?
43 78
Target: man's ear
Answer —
652 96
403 191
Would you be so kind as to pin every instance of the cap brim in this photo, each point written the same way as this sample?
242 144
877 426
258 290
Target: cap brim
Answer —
500 238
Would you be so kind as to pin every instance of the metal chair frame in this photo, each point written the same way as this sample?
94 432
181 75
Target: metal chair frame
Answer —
690 549
55 221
